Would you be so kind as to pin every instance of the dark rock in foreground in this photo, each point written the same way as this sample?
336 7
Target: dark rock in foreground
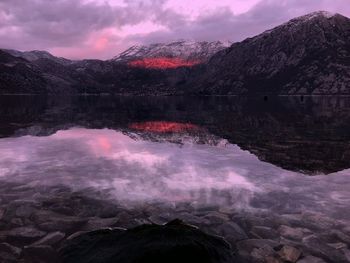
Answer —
173 242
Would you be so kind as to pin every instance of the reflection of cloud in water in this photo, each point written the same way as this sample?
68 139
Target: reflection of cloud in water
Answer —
128 169
148 171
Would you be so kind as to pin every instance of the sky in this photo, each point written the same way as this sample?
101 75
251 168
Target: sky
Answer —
101 29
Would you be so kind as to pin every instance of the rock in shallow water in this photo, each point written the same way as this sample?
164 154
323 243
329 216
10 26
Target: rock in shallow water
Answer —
290 254
24 234
50 239
40 254
173 242
9 253
311 259
50 221
291 233
264 232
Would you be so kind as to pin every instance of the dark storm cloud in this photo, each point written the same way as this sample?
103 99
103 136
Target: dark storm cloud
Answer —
60 22
223 24
65 22
98 28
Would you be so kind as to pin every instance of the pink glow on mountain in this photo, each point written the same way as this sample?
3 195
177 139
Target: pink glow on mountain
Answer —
163 63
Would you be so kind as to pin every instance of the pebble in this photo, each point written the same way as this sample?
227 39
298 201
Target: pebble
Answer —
50 239
97 223
320 249
231 232
337 245
25 234
273 259
262 253
264 232
311 259
250 244
289 254
216 218
9 249
291 232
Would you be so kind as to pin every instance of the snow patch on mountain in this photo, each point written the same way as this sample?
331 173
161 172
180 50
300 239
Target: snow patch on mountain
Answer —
184 49
298 21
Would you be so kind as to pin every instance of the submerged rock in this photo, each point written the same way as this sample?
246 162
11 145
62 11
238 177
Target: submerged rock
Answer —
311 259
50 239
290 232
256 250
9 253
290 254
50 222
173 242
264 232
24 234
40 254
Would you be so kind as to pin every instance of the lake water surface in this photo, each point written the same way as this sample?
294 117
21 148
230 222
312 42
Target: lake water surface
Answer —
285 156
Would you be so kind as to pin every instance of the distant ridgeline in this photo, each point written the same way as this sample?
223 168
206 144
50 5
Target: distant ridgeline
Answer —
307 55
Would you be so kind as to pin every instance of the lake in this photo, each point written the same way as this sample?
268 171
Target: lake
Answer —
277 168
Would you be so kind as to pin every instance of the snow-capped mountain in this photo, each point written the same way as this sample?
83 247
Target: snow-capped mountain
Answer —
294 23
182 49
307 55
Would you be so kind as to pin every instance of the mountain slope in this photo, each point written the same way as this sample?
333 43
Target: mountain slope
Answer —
17 75
307 55
37 55
163 56
148 70
39 72
187 50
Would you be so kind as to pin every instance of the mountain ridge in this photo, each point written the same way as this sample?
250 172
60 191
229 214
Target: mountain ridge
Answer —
185 49
306 55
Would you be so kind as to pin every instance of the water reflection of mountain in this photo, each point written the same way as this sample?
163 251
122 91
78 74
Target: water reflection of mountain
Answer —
310 134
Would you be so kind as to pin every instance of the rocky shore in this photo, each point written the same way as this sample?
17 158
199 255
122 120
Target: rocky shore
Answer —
38 223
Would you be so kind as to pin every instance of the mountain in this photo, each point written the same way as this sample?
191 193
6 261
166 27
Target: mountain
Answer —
170 55
141 70
18 75
307 55
36 55
181 49
37 72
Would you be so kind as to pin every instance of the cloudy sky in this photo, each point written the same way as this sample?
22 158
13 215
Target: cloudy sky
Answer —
103 28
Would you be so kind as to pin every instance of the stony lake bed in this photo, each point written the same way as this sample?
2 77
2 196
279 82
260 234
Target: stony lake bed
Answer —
34 230
275 194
